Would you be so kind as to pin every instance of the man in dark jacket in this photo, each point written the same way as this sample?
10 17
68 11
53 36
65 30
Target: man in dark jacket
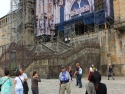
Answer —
77 73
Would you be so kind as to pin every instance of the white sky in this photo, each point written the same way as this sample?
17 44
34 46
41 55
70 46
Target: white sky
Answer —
4 7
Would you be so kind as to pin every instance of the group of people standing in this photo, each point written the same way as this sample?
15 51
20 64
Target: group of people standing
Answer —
65 78
94 86
20 82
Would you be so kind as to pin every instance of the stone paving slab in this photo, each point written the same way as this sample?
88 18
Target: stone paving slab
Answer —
51 86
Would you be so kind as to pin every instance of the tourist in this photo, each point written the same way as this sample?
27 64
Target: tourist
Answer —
90 72
25 84
94 68
16 69
64 81
95 86
77 73
110 74
6 83
80 76
19 83
34 83
70 71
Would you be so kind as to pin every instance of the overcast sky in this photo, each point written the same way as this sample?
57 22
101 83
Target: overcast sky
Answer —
4 7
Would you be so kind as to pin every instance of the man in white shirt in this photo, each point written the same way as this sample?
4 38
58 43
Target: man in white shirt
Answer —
24 75
80 76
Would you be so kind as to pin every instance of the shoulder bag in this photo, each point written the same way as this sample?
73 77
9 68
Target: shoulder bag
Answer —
21 82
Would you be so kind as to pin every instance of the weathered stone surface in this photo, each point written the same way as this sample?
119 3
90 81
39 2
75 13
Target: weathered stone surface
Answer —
41 66
86 56
101 48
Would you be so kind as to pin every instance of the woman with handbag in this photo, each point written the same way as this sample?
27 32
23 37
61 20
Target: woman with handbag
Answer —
18 83
34 81
6 83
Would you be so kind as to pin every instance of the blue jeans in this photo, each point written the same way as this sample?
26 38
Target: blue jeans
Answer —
79 80
19 90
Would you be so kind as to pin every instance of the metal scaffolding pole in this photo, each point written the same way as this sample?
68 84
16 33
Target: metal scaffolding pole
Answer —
16 23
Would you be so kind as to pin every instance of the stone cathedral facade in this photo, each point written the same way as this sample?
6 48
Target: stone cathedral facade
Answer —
86 32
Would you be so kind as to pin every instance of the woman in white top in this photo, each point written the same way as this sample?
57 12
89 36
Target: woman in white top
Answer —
18 83
90 72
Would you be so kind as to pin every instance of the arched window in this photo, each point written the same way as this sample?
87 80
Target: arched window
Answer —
77 5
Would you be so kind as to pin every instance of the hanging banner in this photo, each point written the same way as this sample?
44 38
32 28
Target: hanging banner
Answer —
51 12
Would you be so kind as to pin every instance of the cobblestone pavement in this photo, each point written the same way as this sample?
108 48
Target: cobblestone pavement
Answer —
51 86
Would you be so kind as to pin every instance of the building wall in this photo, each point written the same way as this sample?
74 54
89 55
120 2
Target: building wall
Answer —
112 42
117 39
5 29
29 23
111 51
119 6
12 30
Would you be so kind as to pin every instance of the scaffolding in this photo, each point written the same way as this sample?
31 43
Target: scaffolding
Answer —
17 53
17 15
95 21
25 56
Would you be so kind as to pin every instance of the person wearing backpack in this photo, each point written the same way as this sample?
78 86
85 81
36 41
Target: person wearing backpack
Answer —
6 83
64 81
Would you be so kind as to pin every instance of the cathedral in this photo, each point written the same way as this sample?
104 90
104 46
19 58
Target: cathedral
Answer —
66 32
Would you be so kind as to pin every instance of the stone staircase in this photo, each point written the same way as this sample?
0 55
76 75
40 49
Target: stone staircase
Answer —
45 56
85 52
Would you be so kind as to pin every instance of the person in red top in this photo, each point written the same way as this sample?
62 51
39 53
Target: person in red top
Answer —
90 72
